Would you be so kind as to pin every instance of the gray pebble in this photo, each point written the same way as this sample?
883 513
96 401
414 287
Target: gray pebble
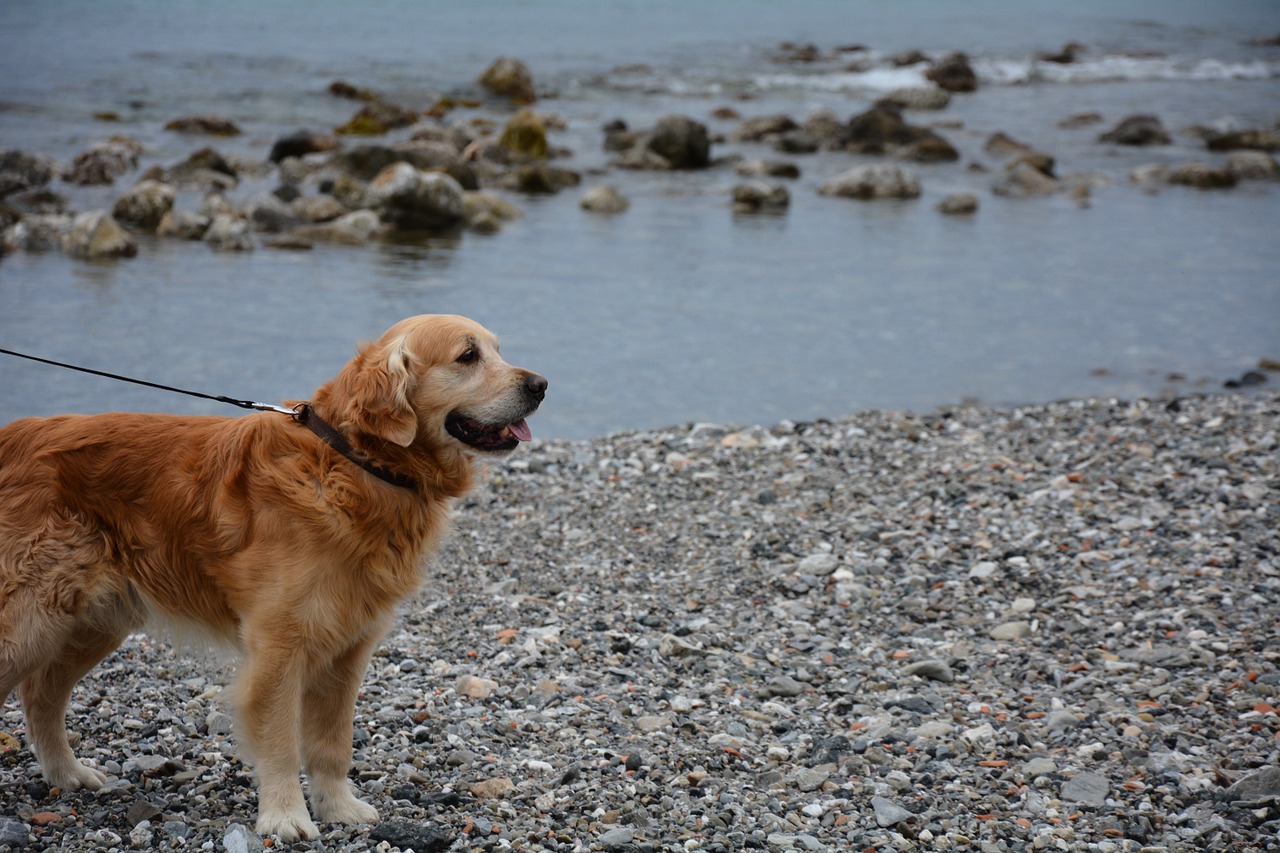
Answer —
14 832
616 838
1086 788
240 839
785 685
1011 631
889 813
934 670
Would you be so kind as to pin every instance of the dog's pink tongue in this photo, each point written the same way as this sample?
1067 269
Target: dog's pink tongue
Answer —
520 430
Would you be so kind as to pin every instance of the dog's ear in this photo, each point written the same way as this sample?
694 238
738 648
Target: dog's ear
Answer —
373 392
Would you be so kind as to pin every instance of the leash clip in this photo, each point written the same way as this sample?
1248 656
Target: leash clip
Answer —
294 413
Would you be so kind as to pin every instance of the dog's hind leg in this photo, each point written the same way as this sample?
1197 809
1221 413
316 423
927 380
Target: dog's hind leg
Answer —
45 693
328 709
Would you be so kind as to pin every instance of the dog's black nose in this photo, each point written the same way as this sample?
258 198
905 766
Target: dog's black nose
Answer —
535 386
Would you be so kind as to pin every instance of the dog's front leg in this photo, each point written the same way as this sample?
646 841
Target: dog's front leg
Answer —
270 710
328 712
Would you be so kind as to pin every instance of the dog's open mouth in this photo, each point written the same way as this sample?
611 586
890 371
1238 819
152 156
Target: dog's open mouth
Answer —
485 436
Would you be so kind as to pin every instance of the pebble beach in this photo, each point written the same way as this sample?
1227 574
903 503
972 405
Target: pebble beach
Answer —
1043 628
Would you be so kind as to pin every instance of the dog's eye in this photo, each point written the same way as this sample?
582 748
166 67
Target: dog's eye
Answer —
470 356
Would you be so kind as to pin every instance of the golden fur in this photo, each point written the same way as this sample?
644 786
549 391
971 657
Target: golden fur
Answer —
256 530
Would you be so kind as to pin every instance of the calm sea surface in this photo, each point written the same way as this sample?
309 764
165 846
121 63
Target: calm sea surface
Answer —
678 310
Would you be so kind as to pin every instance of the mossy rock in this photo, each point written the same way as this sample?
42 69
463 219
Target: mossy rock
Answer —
525 135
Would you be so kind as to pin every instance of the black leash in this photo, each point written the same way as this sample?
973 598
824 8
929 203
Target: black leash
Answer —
302 413
244 404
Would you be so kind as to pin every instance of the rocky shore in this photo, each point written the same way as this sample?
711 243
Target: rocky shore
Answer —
1049 628
411 171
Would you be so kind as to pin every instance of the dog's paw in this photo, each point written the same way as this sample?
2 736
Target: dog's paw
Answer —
73 776
344 808
288 826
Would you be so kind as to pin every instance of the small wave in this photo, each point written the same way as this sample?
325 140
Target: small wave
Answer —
881 77
876 79
1119 69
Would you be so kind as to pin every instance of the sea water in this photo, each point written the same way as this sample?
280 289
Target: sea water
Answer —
678 310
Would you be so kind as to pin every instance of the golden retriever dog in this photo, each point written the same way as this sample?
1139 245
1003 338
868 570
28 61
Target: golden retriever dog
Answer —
294 543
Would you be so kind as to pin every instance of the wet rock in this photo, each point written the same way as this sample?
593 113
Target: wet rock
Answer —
762 128
228 232
183 224
540 179
209 125
20 171
826 127
1069 53
42 200
431 156
681 141
1202 176
604 199
376 118
796 142
1262 139
97 236
510 78
907 58
205 169
317 208
1022 178
881 130
1084 119
350 91
760 197
351 229
916 98
877 181
144 205
954 74
767 169
1252 166
486 211
103 163
364 162
409 198
959 204
1000 144
270 214
525 136
299 144
1137 130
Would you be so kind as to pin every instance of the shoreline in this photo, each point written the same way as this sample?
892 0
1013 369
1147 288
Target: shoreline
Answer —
1049 625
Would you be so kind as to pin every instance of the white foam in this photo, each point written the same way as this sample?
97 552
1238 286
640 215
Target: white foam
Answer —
1117 69
871 80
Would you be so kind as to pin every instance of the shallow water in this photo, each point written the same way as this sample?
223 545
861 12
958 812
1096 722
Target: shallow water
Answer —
678 310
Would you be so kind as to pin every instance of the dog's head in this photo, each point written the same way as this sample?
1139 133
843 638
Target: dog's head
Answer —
437 380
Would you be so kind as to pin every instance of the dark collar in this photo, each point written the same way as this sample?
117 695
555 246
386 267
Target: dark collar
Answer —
307 416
